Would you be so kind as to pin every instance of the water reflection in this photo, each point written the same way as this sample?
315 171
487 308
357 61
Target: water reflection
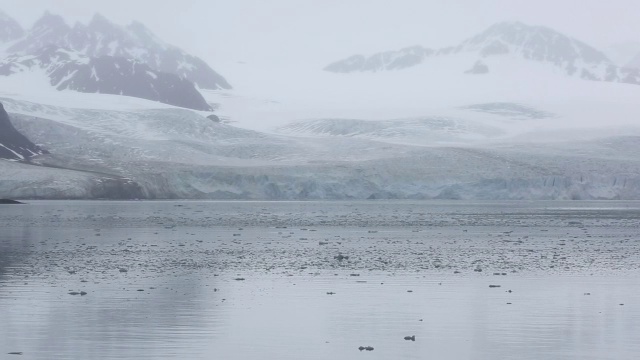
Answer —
186 260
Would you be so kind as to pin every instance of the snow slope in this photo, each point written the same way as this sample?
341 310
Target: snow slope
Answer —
436 89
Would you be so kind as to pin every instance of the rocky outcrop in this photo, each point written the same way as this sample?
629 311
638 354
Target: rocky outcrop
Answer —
14 145
107 75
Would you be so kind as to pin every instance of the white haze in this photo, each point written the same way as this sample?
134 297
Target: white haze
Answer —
273 52
280 34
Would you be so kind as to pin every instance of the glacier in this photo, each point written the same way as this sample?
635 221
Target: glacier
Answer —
168 153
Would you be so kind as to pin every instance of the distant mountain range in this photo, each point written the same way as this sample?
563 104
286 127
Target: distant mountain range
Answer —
535 43
107 58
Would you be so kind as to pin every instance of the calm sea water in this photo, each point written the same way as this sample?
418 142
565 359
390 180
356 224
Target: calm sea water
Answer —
317 280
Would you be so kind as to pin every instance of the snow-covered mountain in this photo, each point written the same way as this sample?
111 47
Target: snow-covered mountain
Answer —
507 39
107 58
107 75
14 145
100 37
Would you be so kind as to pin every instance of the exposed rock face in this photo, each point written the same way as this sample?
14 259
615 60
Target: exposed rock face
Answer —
119 76
9 202
14 145
106 58
107 75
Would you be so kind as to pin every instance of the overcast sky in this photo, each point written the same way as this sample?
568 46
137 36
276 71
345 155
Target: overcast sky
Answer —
314 32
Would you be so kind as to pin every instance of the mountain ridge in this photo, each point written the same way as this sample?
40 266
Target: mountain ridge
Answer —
101 37
107 75
534 43
106 58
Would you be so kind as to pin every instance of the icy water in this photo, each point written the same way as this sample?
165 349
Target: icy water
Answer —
317 280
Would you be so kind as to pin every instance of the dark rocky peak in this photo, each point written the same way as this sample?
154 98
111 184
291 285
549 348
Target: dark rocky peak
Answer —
532 42
9 28
71 70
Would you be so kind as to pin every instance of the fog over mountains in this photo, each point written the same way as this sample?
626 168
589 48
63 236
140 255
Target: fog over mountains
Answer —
107 58
516 39
516 112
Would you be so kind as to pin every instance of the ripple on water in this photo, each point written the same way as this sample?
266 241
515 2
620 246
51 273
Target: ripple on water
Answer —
416 272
